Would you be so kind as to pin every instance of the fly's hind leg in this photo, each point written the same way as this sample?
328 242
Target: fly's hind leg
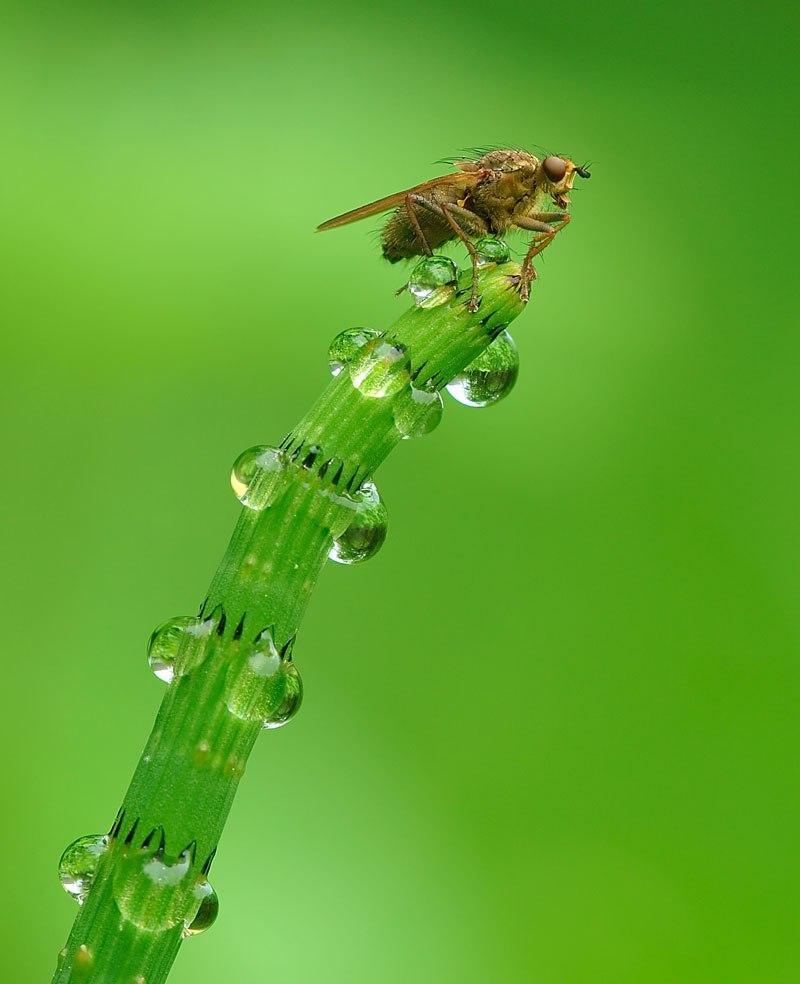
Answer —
538 222
458 218
409 202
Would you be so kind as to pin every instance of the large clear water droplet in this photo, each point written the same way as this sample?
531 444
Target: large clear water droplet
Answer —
433 281
490 377
206 914
78 864
491 250
380 368
262 683
153 890
345 347
364 536
179 645
258 476
417 412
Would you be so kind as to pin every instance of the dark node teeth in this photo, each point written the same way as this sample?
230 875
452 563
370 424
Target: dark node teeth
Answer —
132 832
117 825
208 862
311 457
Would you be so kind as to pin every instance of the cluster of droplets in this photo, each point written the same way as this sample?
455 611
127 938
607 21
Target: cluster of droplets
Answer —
180 645
379 368
490 377
152 891
364 535
434 279
262 682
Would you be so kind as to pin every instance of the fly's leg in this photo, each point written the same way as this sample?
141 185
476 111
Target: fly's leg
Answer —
451 214
537 222
409 202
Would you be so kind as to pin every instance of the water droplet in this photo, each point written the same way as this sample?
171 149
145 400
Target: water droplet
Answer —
367 530
433 280
344 348
179 645
491 250
380 368
153 890
78 865
207 912
262 683
417 412
258 475
202 752
84 958
490 377
234 767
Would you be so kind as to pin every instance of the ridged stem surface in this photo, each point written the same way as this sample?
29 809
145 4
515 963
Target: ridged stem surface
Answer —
131 925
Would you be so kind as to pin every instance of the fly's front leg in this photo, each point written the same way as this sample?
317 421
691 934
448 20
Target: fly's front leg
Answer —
538 222
457 217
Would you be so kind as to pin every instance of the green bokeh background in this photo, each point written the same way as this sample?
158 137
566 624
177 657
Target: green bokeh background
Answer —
548 733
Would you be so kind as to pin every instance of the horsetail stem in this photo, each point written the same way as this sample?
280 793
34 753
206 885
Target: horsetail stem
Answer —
230 669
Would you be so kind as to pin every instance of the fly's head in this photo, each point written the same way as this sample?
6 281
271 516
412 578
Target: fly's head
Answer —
557 175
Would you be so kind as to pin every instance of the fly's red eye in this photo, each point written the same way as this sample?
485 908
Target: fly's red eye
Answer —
555 168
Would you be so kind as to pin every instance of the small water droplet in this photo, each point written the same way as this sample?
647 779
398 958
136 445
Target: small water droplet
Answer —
366 532
258 475
491 250
179 645
417 412
207 912
344 348
263 684
380 368
432 281
78 864
234 767
84 958
490 377
202 752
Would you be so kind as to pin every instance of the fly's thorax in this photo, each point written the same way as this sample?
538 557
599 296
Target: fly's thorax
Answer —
539 200
500 198
508 160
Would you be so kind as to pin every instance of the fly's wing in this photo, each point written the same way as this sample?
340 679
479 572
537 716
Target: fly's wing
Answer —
461 182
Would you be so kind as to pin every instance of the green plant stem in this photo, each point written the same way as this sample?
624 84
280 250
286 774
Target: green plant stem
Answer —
184 784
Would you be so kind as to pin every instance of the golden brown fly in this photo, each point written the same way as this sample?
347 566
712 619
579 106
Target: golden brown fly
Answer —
498 191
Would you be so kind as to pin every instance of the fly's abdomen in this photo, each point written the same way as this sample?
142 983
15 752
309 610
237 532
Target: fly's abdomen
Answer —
401 241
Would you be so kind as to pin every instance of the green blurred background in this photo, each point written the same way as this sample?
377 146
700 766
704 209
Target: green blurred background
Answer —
548 733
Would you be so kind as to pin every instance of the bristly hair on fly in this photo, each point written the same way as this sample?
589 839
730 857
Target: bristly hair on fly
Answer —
475 153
